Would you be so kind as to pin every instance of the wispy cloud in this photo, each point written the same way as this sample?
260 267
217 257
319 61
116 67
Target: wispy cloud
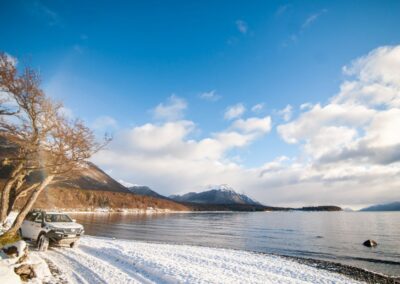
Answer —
312 18
43 11
234 111
258 107
282 9
105 122
173 109
306 106
242 26
210 96
286 113
309 21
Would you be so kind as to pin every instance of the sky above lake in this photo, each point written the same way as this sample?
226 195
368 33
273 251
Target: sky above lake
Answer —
291 102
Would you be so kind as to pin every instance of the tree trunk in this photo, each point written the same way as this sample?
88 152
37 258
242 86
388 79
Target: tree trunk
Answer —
5 196
14 194
28 205
21 194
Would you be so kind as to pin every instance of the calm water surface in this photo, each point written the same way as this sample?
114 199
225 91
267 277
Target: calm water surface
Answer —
333 236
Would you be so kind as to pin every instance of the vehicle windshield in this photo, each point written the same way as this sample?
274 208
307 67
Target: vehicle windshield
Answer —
54 218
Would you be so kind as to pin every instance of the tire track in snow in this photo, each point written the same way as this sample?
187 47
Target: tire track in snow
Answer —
86 269
100 260
74 271
137 271
115 259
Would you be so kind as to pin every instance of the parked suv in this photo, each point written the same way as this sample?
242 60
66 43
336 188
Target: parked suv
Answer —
51 228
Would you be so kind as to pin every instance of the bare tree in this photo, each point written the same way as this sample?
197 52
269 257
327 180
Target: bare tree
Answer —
41 141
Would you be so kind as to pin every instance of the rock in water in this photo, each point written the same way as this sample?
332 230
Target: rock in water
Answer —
370 243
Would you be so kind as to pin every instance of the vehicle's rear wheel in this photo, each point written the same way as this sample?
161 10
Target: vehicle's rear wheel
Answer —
74 244
43 243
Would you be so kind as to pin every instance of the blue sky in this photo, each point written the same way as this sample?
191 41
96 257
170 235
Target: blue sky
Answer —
114 62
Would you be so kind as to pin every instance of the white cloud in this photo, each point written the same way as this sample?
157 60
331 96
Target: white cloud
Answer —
258 107
253 124
211 96
354 140
104 122
242 26
349 148
306 106
376 79
154 138
172 110
310 122
384 129
234 111
286 113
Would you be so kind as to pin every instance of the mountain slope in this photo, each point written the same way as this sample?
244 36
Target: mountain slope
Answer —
93 178
146 191
90 188
394 206
222 194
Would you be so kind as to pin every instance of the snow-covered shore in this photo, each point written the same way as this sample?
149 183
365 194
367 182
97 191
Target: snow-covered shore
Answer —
104 260
101 260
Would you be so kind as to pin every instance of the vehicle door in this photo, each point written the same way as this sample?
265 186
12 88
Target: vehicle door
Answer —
37 226
27 225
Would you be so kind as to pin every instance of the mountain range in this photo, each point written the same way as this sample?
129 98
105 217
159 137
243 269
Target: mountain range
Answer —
92 188
222 194
393 206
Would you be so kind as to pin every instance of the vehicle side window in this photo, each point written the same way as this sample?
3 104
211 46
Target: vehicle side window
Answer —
27 218
31 216
39 218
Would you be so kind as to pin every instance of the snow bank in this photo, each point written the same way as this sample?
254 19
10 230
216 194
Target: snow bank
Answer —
42 271
7 275
7 264
100 260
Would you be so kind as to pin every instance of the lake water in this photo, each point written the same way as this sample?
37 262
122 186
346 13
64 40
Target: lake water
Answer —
332 236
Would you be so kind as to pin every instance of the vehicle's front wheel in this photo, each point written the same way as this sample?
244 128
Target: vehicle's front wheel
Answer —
43 243
74 244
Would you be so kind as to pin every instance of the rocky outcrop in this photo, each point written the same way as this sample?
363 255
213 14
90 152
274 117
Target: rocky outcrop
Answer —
25 272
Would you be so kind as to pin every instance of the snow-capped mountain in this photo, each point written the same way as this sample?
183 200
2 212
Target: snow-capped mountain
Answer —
221 194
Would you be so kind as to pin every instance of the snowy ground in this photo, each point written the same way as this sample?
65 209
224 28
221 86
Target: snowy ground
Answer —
100 260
